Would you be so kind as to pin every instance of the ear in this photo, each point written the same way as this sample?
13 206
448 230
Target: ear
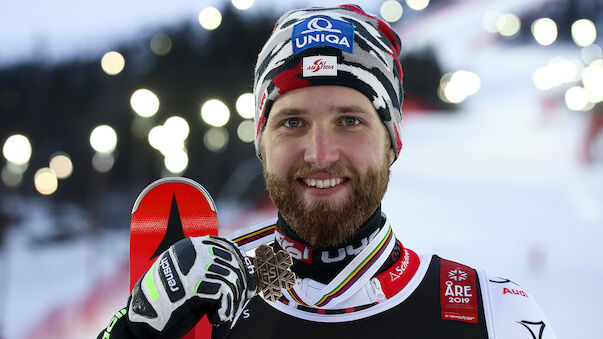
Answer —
261 146
392 155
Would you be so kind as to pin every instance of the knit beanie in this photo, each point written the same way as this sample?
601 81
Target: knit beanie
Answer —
341 46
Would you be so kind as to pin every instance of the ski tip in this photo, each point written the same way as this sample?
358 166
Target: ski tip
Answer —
183 180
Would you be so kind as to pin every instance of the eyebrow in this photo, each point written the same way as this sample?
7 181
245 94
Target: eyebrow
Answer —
337 109
291 112
348 109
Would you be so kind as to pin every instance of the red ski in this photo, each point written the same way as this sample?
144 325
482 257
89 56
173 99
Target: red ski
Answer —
166 211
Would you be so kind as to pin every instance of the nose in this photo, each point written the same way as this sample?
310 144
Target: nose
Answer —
321 148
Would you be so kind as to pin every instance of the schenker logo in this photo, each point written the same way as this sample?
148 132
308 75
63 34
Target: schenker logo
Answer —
400 269
323 31
320 65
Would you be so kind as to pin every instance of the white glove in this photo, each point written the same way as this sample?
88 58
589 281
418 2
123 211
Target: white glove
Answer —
195 276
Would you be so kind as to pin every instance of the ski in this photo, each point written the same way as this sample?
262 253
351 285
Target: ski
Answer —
166 211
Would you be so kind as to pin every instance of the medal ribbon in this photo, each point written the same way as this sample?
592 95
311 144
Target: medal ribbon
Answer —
356 273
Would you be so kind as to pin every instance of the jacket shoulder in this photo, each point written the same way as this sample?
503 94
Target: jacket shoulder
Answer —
512 312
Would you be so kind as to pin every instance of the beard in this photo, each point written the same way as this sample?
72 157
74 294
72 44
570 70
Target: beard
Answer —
325 223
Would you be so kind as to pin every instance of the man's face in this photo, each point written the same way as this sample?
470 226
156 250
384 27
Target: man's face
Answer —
326 157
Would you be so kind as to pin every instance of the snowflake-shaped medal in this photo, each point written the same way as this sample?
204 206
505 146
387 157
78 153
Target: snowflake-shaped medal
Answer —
273 271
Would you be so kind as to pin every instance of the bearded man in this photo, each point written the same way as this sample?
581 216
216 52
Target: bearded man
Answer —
328 114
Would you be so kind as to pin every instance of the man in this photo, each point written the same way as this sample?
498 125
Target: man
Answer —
328 113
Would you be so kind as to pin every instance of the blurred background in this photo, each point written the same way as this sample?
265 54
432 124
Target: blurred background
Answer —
502 165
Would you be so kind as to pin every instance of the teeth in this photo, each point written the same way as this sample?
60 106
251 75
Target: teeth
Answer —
323 183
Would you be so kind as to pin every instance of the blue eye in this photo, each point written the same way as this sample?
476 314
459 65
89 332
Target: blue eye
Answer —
349 121
292 123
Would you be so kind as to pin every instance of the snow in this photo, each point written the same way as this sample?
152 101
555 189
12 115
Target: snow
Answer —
498 185
516 213
45 282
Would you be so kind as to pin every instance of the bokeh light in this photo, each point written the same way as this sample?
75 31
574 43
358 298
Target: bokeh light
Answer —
177 127
144 102
156 136
559 71
242 4
215 113
584 32
540 78
170 144
489 21
18 169
417 5
544 31
103 162
245 106
215 139
454 94
45 181
592 78
10 178
245 131
103 139
456 87
113 63
17 149
176 162
210 18
391 11
161 44
576 98
170 137
61 165
469 80
508 24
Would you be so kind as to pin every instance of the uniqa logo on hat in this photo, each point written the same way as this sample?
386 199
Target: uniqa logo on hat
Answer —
323 31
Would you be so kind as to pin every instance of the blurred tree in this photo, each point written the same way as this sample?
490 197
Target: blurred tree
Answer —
422 74
58 105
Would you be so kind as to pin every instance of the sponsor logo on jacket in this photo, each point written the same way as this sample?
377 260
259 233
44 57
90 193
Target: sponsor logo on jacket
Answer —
515 292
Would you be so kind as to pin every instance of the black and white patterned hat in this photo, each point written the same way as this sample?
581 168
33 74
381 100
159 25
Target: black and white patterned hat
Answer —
341 46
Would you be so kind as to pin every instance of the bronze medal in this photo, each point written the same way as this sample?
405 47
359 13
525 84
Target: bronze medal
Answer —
273 271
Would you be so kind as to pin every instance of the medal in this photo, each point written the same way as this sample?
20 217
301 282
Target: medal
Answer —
273 271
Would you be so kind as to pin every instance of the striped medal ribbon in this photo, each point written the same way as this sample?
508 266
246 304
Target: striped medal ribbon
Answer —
354 276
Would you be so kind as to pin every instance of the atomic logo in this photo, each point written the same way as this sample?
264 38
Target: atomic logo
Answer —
173 232
457 275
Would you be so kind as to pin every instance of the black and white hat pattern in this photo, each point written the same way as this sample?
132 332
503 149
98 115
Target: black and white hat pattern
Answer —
341 46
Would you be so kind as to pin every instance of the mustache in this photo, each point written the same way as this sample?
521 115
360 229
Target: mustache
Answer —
310 169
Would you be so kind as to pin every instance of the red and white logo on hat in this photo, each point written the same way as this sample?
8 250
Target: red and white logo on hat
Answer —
320 65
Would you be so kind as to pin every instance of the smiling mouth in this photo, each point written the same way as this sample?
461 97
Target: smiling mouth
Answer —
324 183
